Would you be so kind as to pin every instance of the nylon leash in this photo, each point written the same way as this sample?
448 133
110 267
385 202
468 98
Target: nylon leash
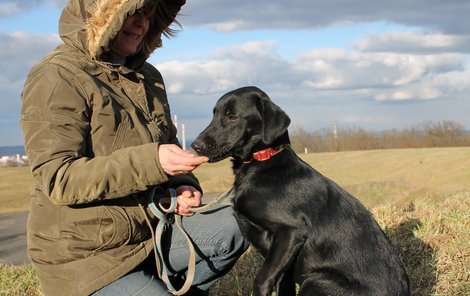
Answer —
217 201
166 216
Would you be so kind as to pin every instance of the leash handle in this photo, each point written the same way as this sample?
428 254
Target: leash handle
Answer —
166 216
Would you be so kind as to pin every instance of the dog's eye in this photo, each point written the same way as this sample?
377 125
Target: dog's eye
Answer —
232 117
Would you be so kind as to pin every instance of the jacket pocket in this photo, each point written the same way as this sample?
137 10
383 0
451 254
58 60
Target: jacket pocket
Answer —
139 229
94 228
115 229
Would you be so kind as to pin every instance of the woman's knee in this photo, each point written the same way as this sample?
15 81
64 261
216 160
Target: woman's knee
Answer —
227 228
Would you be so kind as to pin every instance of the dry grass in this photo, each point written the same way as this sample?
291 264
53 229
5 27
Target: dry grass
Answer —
396 176
15 187
432 239
374 176
419 196
215 177
18 281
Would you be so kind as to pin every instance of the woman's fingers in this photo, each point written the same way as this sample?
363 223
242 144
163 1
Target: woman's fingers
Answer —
175 160
188 197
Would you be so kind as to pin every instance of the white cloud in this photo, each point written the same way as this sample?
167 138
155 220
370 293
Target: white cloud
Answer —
340 69
229 67
412 42
226 15
383 80
321 85
10 8
19 51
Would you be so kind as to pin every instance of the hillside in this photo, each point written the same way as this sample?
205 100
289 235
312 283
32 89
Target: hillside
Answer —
374 176
430 233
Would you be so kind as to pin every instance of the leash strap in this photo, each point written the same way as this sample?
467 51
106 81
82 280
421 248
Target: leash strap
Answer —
217 201
166 216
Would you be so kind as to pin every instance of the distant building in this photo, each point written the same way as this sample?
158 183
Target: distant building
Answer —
13 160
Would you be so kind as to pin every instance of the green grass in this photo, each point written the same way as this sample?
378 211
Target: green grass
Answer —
419 196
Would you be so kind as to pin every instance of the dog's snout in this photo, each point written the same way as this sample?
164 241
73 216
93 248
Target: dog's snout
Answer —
198 146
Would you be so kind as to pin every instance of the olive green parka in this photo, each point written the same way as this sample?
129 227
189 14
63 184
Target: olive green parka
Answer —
91 131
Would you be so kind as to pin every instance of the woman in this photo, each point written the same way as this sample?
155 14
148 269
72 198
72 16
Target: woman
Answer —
99 137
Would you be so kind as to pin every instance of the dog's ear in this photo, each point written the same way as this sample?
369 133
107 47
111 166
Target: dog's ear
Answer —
275 121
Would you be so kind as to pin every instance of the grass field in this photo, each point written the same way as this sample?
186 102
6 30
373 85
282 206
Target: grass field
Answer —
421 198
432 239
15 187
377 176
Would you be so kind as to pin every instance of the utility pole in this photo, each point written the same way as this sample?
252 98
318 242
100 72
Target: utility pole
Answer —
183 139
335 135
175 122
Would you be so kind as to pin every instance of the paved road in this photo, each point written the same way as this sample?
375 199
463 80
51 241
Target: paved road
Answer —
13 238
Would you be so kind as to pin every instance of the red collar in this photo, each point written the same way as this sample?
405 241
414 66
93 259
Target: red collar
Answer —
265 154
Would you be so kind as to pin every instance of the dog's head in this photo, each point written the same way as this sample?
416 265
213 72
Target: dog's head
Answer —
244 120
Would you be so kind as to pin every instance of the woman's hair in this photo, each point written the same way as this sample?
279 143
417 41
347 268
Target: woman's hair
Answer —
161 15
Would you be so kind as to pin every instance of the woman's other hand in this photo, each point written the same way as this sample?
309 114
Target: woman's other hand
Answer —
188 197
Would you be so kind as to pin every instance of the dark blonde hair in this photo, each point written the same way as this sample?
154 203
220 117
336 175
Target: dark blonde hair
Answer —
161 15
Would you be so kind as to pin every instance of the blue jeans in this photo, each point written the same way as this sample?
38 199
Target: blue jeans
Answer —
218 244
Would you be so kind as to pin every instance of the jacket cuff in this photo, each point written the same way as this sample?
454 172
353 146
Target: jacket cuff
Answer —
151 165
184 180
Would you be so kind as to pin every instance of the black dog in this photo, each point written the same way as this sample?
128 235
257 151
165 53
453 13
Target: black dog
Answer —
309 230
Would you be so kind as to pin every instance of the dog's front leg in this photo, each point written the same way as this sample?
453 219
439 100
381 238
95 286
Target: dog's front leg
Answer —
255 234
285 245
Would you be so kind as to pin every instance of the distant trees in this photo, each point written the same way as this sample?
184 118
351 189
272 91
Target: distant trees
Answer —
427 134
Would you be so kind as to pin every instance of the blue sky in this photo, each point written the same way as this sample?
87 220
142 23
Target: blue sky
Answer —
365 63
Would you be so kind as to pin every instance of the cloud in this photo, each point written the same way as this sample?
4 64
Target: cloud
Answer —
225 15
319 86
228 67
18 53
10 8
368 73
380 81
449 16
417 43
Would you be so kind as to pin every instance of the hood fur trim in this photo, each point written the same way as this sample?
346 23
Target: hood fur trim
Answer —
107 18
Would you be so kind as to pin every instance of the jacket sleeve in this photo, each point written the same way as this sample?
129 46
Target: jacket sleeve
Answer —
55 121
186 179
174 181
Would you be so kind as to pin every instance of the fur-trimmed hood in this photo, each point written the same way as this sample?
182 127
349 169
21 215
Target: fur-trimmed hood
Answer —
90 25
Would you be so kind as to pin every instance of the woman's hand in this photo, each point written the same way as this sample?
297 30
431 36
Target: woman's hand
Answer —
188 197
176 161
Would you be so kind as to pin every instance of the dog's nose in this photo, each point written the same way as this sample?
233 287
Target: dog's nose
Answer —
198 146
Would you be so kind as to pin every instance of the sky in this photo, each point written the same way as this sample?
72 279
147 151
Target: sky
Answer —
371 64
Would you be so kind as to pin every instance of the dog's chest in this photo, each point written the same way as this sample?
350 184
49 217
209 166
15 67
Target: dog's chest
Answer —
252 207
245 206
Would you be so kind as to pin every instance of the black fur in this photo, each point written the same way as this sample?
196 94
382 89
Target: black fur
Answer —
309 230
